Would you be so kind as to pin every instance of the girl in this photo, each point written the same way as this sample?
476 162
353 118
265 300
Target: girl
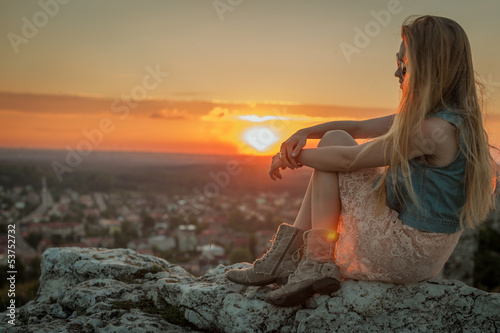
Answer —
391 209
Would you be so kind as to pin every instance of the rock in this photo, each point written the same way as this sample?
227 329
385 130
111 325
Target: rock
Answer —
101 290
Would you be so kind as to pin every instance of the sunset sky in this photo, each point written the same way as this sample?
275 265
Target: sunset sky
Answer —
215 77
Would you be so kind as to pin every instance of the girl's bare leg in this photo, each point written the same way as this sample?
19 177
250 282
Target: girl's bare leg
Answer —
303 219
317 272
325 200
321 204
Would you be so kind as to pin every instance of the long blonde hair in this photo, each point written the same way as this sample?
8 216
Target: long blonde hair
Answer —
440 75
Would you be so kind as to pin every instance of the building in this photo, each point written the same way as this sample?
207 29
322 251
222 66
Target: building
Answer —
112 225
186 238
162 242
47 229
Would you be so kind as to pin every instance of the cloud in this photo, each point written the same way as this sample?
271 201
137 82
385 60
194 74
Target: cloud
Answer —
292 117
83 105
220 114
192 93
170 114
259 119
172 109
52 104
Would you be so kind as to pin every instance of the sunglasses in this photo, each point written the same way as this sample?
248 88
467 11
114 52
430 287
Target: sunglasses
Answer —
400 65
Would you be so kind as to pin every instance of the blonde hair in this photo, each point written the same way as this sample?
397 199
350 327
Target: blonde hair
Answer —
440 75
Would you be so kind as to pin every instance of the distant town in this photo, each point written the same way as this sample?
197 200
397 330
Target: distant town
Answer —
193 231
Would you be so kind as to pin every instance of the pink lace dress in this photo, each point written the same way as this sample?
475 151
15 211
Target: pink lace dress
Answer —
382 248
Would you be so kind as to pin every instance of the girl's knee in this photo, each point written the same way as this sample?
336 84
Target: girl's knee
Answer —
337 138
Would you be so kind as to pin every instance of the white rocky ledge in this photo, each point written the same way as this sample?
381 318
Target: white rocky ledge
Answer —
118 290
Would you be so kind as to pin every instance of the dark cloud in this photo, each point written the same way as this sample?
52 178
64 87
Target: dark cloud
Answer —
170 115
171 109
73 104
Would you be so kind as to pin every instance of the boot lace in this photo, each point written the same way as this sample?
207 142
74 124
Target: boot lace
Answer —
276 238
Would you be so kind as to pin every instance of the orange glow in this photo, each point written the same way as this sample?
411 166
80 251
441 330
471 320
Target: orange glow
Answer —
332 236
246 129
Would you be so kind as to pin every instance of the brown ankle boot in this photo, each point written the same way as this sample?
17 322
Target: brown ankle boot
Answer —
276 264
316 273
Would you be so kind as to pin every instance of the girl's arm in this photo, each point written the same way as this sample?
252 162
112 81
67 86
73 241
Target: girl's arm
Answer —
362 129
335 158
357 129
345 158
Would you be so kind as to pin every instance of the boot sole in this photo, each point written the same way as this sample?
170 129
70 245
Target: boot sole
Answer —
256 284
292 299
324 286
282 280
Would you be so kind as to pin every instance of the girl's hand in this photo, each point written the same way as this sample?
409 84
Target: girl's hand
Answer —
276 164
291 148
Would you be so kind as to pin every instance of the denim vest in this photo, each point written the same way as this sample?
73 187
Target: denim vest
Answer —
440 190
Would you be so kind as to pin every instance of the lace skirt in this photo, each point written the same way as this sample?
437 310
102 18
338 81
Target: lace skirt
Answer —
382 248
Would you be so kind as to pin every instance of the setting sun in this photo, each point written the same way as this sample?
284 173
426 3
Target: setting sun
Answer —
260 138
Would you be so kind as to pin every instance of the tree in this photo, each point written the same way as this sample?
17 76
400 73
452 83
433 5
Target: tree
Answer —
253 245
56 240
487 257
33 239
128 233
148 223
236 220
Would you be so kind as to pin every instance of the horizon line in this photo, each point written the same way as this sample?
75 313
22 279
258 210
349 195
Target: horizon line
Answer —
2 148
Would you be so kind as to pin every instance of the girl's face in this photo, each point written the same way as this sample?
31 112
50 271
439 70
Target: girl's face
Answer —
401 63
